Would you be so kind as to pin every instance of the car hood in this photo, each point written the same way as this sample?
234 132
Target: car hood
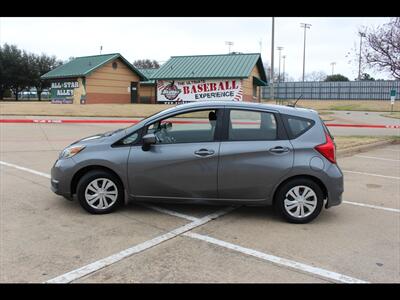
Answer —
100 137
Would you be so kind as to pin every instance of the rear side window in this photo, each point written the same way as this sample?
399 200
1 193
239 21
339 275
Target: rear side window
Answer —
297 126
246 125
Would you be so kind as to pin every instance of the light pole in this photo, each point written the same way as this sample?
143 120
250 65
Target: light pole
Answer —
279 68
362 34
272 60
305 26
229 43
333 66
284 56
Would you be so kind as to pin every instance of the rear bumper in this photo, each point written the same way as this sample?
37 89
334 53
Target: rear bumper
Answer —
334 186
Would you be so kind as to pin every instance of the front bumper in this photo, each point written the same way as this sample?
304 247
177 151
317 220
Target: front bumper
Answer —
61 177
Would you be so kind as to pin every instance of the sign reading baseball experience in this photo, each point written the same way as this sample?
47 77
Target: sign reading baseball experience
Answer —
198 90
63 91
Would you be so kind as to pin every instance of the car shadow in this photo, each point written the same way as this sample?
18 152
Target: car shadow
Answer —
256 213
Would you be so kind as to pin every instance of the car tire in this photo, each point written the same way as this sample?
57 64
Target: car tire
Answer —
291 204
107 187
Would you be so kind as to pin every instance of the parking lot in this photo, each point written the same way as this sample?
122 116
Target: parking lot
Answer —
44 238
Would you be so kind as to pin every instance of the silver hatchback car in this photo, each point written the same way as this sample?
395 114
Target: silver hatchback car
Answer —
208 152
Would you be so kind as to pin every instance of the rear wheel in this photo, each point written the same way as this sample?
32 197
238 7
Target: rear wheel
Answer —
100 192
299 200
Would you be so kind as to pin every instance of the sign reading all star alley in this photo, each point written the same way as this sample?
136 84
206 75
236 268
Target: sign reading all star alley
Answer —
63 91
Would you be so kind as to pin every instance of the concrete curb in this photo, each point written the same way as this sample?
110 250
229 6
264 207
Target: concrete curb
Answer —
362 148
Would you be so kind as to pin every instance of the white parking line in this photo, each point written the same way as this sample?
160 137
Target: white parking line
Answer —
395 150
278 260
159 209
97 265
170 212
374 157
24 169
373 206
371 174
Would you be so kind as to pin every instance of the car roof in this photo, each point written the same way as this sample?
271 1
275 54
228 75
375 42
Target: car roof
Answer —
297 111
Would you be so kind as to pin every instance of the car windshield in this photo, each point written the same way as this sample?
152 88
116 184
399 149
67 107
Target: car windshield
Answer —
148 117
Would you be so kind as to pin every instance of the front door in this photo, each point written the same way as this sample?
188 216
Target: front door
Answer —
253 157
134 92
183 164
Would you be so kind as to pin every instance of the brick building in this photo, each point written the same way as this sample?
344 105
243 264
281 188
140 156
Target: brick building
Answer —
110 78
235 76
148 92
107 78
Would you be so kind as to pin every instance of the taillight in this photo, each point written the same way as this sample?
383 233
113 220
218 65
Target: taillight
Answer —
327 149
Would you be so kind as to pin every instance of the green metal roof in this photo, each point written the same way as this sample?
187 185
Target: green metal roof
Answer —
259 82
84 65
210 66
148 73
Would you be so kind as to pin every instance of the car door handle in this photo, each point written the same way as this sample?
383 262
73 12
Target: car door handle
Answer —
204 152
279 149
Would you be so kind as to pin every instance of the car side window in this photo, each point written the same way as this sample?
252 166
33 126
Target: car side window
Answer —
190 127
246 125
297 125
130 139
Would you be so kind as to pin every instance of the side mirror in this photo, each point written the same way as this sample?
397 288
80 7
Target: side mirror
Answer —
149 139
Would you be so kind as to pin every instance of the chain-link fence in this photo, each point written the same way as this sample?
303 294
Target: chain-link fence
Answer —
345 90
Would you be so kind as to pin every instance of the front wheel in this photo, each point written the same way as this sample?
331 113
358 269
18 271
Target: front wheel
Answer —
100 192
299 200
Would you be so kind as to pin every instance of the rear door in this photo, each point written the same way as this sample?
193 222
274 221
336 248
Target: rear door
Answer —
254 154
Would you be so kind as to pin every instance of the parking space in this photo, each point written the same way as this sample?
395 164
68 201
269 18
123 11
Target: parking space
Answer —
343 240
189 260
371 165
373 177
44 236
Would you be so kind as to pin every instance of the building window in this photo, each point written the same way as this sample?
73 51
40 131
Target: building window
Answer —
114 65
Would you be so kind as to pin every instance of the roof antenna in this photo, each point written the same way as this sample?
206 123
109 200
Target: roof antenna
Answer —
294 104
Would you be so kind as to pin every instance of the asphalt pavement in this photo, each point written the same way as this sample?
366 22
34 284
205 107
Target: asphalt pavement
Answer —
44 237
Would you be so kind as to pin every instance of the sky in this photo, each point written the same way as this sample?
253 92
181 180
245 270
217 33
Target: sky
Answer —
328 40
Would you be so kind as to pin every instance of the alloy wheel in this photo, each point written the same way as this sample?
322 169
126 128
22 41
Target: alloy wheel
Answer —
101 193
300 201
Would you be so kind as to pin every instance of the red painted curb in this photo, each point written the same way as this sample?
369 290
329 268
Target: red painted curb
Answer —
65 121
105 121
364 126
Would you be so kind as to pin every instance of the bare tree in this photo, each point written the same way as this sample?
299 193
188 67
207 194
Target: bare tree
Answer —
267 69
383 47
41 65
146 64
289 78
358 62
315 76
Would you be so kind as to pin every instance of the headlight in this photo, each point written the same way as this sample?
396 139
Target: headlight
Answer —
71 151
